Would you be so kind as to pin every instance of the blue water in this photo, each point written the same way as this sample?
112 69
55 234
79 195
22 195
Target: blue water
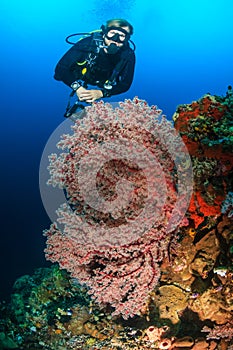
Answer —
184 50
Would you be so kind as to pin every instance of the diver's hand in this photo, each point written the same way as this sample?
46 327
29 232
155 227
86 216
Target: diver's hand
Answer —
88 96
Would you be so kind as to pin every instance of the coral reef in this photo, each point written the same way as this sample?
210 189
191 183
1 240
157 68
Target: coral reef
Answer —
178 283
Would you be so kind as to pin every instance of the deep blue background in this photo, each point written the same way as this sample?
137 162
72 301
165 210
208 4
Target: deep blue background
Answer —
184 50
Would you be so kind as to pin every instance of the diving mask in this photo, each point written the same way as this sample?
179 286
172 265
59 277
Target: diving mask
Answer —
117 34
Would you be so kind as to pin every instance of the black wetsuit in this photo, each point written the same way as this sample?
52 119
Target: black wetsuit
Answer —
70 67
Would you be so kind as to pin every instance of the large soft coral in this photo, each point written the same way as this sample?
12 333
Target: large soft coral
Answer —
128 182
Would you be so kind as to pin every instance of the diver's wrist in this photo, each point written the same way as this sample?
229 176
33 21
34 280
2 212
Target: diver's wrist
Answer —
76 85
105 93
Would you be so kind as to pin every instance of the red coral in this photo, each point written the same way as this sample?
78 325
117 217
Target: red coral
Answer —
197 122
208 107
199 208
128 182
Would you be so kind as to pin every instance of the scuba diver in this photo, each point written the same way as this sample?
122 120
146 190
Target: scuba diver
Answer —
100 64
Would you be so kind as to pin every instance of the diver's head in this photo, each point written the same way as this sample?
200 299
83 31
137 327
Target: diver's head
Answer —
116 34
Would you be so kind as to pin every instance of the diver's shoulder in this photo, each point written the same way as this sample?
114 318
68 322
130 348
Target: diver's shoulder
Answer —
128 52
84 40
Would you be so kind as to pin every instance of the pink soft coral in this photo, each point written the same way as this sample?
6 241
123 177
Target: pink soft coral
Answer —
128 182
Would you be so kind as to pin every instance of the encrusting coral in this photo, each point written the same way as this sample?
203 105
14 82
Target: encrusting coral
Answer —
206 127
